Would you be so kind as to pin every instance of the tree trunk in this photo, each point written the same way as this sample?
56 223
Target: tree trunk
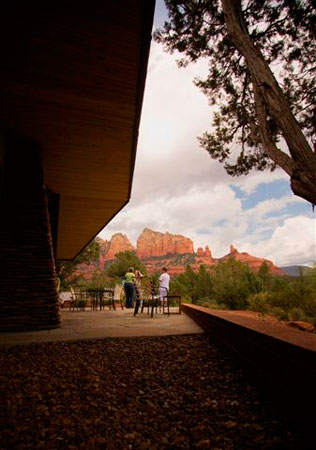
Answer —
303 171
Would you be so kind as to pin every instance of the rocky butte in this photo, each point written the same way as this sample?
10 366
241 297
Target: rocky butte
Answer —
252 261
153 243
119 242
156 249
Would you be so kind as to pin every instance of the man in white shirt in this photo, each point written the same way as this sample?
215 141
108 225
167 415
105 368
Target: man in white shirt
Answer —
163 284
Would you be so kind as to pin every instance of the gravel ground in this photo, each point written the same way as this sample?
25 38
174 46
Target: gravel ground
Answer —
175 392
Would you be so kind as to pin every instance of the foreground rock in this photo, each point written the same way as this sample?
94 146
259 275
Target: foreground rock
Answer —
174 392
304 326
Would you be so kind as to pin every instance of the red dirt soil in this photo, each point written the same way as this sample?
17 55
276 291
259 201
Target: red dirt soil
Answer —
269 325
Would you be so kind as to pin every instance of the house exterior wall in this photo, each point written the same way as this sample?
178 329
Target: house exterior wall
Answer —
28 289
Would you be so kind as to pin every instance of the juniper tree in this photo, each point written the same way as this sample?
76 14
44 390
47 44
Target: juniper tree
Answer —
124 260
261 81
66 269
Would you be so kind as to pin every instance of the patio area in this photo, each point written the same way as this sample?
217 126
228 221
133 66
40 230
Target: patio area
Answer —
107 379
78 325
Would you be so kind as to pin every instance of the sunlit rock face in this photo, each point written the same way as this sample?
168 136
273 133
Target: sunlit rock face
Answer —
153 243
156 250
200 253
252 261
118 243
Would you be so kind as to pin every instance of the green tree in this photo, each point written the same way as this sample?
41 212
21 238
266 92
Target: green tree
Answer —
124 260
311 276
310 303
184 284
234 282
204 287
294 294
99 280
66 269
256 108
192 286
265 276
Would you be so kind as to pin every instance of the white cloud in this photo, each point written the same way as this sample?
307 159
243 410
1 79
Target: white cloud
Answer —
194 213
178 188
175 112
249 183
293 242
272 206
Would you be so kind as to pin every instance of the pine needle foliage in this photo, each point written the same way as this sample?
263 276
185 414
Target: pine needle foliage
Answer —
261 81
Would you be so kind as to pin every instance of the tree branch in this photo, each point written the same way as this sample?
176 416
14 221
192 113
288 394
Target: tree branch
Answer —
274 99
279 157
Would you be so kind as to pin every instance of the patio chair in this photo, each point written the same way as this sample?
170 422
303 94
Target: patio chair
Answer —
171 300
78 300
118 296
146 296
105 298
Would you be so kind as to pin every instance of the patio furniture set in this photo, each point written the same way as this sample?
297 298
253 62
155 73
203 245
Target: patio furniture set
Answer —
147 297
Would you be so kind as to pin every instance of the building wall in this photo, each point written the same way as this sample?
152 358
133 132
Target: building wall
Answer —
28 290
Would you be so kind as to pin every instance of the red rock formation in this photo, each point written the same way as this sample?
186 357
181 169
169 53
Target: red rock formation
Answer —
154 267
232 249
153 243
203 257
104 246
200 251
119 243
173 251
204 253
253 262
207 252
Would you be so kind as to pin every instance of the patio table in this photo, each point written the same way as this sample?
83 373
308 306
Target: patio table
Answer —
97 297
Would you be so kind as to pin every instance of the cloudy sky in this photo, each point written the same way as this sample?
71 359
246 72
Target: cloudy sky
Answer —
178 188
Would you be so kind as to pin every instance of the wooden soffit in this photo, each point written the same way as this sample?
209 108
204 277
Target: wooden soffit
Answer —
72 80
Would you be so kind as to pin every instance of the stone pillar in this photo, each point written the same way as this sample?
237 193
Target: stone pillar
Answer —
28 289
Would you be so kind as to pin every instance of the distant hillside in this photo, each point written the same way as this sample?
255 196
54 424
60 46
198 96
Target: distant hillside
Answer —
294 271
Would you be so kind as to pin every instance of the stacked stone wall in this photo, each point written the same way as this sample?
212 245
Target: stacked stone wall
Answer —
28 288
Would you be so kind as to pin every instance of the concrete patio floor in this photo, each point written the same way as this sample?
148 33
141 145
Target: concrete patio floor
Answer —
88 324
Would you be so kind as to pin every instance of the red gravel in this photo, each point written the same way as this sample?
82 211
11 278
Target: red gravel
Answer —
175 392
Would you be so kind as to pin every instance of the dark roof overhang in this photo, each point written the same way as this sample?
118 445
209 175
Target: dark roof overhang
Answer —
72 80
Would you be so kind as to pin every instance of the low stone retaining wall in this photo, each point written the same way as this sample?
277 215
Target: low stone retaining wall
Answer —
285 371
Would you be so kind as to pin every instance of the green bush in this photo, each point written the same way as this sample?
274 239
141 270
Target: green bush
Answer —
258 302
296 314
195 286
215 305
234 282
231 284
209 303
279 313
186 299
284 299
310 306
312 320
206 305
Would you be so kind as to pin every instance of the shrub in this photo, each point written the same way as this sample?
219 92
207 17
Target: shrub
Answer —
296 314
283 299
258 302
310 306
279 313
206 305
233 283
209 303
186 299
